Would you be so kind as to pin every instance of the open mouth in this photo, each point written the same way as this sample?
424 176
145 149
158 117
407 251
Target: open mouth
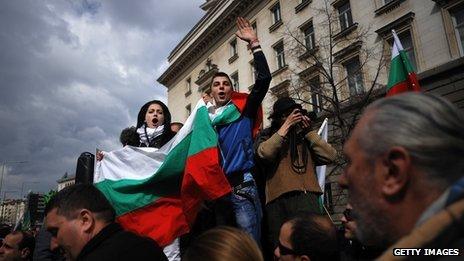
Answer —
155 120
222 95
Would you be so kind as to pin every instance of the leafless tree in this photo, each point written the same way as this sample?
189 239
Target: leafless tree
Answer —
322 80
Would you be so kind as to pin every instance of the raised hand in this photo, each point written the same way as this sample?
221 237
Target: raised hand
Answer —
100 155
245 31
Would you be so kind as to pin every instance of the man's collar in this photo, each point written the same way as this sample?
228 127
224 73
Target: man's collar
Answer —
433 209
452 194
94 242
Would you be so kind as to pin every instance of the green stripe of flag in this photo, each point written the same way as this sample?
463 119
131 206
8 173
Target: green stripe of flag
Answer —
399 69
127 195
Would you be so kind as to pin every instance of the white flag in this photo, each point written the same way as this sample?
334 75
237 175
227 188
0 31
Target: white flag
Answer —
320 170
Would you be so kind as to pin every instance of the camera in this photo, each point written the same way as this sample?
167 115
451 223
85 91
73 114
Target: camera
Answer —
311 115
300 129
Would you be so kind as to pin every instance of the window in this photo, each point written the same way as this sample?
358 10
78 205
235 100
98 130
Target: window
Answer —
280 55
253 72
309 39
354 75
316 98
188 109
458 22
408 46
301 5
255 27
344 15
234 78
275 11
233 48
188 86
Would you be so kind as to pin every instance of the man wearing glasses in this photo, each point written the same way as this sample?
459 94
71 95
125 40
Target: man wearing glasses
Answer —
351 248
307 237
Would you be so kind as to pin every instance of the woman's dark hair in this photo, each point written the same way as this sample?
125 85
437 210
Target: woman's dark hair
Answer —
167 133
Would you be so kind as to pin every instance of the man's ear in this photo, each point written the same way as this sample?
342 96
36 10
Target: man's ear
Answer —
25 252
86 219
304 258
396 165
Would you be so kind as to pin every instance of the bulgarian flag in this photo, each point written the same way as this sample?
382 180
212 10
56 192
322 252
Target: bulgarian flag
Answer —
157 192
402 77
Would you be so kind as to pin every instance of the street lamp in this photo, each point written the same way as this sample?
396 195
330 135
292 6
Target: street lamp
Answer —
25 182
3 170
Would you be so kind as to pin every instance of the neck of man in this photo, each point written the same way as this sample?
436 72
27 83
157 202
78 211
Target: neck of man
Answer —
217 106
420 195
98 227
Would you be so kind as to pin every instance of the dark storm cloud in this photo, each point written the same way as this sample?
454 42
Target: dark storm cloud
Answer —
74 73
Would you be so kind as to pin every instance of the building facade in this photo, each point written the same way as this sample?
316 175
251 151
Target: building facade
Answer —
65 181
431 31
319 49
11 211
35 208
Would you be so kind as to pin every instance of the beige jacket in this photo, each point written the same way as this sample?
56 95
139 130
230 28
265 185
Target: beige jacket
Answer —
273 153
443 230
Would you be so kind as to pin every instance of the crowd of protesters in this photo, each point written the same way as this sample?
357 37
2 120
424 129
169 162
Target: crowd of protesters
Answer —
404 178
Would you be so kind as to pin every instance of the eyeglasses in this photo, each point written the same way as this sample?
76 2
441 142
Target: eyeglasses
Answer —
348 214
285 250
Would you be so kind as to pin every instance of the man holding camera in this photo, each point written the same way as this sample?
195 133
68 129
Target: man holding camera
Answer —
288 152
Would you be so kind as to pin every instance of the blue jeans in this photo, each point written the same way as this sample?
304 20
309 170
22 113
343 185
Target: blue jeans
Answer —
247 208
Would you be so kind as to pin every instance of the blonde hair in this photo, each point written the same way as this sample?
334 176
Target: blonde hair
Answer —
224 243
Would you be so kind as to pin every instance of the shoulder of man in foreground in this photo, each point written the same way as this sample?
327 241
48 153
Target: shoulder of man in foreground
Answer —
126 245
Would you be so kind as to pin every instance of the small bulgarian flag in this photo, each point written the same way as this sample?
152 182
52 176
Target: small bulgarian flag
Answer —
402 77
157 192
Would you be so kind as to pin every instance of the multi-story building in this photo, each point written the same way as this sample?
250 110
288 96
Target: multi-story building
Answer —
11 211
35 208
314 45
431 31
65 181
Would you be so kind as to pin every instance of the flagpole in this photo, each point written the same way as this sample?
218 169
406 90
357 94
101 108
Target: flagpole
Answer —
328 214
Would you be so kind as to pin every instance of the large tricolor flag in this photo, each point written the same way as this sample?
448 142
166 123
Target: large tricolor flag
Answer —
402 77
156 192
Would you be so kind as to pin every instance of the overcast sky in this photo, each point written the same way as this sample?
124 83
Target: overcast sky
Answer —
73 74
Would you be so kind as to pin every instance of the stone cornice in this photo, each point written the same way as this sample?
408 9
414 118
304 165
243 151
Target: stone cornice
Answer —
65 179
388 7
209 4
208 31
280 86
442 3
404 20
347 51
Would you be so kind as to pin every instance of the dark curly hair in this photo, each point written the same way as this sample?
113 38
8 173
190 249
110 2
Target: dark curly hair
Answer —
167 132
129 136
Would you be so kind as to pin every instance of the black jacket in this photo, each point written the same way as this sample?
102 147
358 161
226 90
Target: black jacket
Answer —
113 243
